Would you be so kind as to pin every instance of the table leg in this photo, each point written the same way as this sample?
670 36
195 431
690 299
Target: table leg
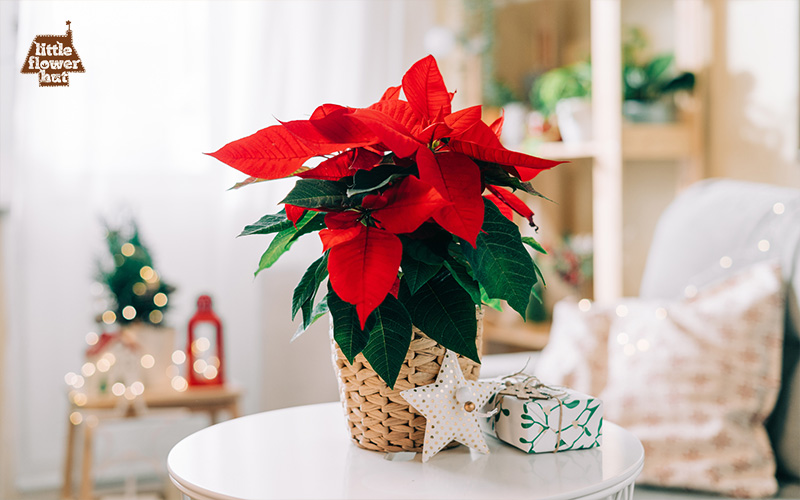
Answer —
233 408
66 488
86 469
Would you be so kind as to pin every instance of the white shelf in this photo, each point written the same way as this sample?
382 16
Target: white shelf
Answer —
640 142
656 141
562 150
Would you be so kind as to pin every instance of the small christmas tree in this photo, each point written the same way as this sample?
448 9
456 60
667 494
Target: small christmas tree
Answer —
137 291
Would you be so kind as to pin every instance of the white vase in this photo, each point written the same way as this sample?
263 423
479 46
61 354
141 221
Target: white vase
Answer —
515 115
574 117
662 111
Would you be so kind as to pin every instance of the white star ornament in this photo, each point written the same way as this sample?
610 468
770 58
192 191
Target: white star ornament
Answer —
451 407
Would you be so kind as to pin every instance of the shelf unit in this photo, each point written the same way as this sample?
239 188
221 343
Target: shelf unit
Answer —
616 142
640 142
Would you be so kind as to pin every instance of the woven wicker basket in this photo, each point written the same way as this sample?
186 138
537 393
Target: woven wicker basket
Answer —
378 417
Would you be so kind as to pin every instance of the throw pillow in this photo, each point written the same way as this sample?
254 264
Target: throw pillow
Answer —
695 379
576 355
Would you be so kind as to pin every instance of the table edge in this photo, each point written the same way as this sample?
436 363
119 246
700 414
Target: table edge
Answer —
626 478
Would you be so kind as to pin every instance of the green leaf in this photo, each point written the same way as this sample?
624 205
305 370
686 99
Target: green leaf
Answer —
538 296
445 312
365 181
656 68
495 304
268 224
495 175
459 267
528 188
346 329
462 275
500 262
421 251
572 404
587 431
311 221
303 296
319 311
531 242
246 182
416 272
684 81
389 328
317 193
540 276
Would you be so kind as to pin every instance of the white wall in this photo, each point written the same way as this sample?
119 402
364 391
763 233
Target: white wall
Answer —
753 132
8 13
751 105
164 82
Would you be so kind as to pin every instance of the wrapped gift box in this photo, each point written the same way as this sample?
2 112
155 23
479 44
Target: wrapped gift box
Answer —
532 423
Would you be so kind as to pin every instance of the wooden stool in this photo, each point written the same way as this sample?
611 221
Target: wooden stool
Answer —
210 400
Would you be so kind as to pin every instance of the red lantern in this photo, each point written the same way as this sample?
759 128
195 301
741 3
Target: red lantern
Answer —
204 348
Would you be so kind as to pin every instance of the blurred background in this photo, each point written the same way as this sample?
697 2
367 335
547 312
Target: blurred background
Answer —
709 88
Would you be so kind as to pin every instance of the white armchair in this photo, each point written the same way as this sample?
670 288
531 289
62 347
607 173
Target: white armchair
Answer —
745 222
710 232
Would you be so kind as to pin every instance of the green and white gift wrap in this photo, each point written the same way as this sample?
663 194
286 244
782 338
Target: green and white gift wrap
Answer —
532 423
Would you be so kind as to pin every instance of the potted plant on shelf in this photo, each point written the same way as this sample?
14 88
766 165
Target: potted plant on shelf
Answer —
648 83
413 203
565 93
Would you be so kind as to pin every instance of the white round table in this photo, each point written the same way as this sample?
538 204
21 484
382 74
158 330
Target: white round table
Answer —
306 452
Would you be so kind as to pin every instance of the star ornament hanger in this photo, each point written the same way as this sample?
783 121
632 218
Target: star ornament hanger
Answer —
451 407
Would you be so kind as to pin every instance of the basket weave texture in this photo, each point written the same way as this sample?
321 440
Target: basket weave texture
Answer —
378 417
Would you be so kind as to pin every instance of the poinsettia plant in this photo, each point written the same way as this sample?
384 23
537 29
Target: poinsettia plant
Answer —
414 205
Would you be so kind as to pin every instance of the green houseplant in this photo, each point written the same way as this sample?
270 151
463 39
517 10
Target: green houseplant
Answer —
648 82
565 92
413 203
572 81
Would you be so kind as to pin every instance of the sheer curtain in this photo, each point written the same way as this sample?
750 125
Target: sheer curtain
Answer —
164 82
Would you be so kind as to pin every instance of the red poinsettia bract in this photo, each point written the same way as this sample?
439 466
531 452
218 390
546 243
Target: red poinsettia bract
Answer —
448 154
364 259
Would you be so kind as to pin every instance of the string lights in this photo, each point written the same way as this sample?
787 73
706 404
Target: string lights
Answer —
95 375
123 364
773 229
138 294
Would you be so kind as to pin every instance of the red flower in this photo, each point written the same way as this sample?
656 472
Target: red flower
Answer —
439 162
365 252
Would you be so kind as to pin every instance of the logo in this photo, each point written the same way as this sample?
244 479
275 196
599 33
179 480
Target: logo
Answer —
53 57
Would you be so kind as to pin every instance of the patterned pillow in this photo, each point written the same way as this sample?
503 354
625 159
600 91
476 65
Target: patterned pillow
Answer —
693 379
576 355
